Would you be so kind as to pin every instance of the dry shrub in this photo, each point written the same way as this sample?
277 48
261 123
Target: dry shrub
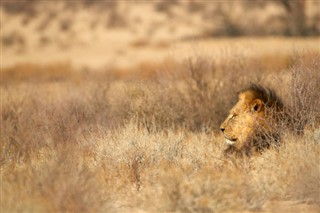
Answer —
206 190
124 146
304 95
58 121
291 173
194 94
300 96
55 182
207 88
131 168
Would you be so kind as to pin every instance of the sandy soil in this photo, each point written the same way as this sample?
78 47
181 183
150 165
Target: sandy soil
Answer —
120 55
124 34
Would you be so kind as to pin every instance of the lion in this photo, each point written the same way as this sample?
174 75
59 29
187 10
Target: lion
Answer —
251 124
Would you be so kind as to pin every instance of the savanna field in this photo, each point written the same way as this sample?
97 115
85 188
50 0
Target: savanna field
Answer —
144 136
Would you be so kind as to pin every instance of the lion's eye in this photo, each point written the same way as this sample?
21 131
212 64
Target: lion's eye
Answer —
233 116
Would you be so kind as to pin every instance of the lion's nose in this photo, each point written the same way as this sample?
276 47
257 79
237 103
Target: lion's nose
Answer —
222 129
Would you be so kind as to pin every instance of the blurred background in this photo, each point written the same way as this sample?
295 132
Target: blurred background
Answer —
109 106
95 34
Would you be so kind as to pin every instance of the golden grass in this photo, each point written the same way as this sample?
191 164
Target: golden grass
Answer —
129 169
62 71
38 73
153 145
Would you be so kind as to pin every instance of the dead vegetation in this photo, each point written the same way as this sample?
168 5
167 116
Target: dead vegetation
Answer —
121 144
66 24
126 132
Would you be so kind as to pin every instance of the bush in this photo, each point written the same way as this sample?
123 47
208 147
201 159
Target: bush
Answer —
119 146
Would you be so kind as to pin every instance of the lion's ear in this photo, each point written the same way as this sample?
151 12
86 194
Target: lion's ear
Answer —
256 105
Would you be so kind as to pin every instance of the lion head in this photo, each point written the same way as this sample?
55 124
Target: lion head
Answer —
248 122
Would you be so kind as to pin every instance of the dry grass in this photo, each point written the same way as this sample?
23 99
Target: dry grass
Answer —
38 73
152 146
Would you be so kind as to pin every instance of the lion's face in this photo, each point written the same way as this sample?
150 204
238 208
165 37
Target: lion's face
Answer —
244 119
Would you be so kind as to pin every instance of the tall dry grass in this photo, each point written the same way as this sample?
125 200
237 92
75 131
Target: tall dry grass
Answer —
153 145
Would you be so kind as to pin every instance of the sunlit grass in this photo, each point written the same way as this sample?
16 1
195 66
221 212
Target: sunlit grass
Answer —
125 144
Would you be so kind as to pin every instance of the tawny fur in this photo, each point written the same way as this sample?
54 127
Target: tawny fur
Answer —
250 125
